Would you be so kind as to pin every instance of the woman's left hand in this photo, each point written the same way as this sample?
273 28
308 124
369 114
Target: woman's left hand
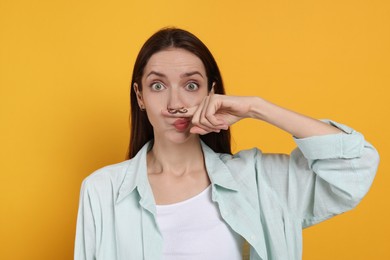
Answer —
216 113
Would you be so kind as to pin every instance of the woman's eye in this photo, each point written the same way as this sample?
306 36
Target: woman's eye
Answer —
192 86
157 86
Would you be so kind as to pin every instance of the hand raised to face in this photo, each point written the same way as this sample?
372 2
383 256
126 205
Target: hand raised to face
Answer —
213 114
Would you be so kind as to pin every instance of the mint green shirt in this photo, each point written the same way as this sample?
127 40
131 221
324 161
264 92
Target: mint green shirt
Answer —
266 198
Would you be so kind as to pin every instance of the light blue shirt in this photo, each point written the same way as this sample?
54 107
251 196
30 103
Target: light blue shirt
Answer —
266 198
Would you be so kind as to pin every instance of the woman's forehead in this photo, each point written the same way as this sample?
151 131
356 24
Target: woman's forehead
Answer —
174 60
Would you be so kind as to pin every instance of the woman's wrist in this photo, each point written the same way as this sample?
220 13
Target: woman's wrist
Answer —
258 108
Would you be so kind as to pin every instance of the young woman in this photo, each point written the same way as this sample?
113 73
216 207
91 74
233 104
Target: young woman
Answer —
182 195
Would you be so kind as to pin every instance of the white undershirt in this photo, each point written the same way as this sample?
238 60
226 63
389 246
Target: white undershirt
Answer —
194 229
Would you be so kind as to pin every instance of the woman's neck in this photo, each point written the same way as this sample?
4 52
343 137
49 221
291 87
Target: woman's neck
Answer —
174 158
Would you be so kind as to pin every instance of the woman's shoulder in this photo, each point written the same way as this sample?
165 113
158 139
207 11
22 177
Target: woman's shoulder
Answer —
242 159
111 175
242 155
254 157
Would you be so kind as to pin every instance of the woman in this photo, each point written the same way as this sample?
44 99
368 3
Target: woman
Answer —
182 195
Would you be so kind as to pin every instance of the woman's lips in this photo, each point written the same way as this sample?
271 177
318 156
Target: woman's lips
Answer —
181 124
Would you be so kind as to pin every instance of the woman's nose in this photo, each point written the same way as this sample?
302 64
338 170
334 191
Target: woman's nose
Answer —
175 101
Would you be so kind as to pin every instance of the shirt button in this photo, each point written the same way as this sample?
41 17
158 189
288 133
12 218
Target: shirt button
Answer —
253 237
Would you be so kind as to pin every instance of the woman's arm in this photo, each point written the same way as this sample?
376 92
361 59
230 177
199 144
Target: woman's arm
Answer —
330 172
296 124
217 112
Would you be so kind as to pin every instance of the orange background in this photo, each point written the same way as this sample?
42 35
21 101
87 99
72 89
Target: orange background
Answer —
65 68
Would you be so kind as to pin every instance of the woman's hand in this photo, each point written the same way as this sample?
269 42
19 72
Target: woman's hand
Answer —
216 112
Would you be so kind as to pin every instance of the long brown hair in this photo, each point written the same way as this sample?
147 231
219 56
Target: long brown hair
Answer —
141 129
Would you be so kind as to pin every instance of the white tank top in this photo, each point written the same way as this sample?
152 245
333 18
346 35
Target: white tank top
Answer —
194 229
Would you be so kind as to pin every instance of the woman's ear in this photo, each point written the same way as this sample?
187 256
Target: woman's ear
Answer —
139 96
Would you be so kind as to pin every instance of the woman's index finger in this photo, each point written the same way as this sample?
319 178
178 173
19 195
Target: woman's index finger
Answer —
179 112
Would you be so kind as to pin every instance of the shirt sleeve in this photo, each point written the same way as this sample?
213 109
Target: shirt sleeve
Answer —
324 176
85 229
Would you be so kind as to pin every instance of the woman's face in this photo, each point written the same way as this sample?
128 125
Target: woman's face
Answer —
173 78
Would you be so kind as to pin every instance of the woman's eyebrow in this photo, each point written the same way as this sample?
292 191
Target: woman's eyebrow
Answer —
156 73
189 74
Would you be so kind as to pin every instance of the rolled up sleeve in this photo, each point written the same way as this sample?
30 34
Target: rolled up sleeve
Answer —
344 165
324 176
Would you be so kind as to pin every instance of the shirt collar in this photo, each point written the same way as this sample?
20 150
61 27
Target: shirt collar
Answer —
136 176
217 170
